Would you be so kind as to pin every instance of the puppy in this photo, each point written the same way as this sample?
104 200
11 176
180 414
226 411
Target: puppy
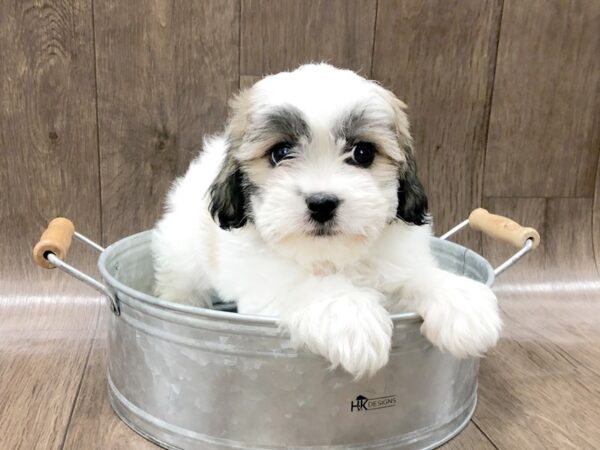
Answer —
308 208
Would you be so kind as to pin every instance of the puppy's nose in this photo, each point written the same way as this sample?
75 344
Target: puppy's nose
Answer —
322 206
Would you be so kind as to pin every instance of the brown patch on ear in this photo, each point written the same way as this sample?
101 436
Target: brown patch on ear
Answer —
401 125
239 116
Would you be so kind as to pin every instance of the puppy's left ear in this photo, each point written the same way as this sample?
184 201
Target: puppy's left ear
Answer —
227 197
412 201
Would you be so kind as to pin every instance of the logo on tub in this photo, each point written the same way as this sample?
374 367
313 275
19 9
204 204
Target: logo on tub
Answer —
363 403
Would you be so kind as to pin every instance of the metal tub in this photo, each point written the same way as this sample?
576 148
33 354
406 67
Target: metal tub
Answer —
194 378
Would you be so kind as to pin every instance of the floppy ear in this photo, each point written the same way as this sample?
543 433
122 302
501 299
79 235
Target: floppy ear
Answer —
228 196
412 201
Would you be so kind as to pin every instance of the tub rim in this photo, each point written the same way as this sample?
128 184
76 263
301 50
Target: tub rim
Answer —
242 319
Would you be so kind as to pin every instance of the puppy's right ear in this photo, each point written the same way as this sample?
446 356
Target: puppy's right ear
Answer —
228 199
412 200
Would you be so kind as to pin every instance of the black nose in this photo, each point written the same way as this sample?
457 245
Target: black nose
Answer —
322 206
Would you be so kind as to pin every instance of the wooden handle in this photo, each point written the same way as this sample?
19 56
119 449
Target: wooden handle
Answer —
499 227
56 239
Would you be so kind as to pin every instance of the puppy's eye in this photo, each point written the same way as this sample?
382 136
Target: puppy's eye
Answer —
363 154
279 152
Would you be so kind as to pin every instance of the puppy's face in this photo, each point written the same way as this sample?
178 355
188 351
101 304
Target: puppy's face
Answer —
320 160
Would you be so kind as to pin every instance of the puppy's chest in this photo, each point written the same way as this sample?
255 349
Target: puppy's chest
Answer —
364 274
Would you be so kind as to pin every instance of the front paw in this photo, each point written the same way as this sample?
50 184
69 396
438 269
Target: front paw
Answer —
353 331
462 318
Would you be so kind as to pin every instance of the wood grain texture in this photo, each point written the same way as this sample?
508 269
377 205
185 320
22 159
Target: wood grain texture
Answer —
571 321
48 167
44 343
523 353
546 412
279 35
247 81
48 146
469 439
544 135
582 343
570 254
596 220
164 78
557 332
439 58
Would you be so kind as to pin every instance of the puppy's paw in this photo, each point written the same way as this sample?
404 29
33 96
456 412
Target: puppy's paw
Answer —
352 330
462 317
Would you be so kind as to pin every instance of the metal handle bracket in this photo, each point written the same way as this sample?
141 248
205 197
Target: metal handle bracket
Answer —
499 227
51 251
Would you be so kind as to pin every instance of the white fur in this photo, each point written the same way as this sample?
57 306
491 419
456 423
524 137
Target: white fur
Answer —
334 294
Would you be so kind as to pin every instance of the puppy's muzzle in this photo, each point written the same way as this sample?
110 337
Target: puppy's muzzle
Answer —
322 206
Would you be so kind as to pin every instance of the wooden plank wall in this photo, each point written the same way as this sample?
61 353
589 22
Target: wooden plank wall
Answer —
163 80
102 103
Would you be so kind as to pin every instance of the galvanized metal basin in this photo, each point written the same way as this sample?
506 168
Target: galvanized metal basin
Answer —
193 378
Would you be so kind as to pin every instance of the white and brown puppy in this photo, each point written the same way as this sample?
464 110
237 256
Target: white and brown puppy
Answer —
309 208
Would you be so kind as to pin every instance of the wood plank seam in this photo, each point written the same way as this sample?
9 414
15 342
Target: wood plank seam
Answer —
490 102
574 358
595 217
101 240
551 197
474 421
374 40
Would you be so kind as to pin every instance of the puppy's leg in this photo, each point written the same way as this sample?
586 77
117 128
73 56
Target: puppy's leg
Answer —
460 315
344 323
179 274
